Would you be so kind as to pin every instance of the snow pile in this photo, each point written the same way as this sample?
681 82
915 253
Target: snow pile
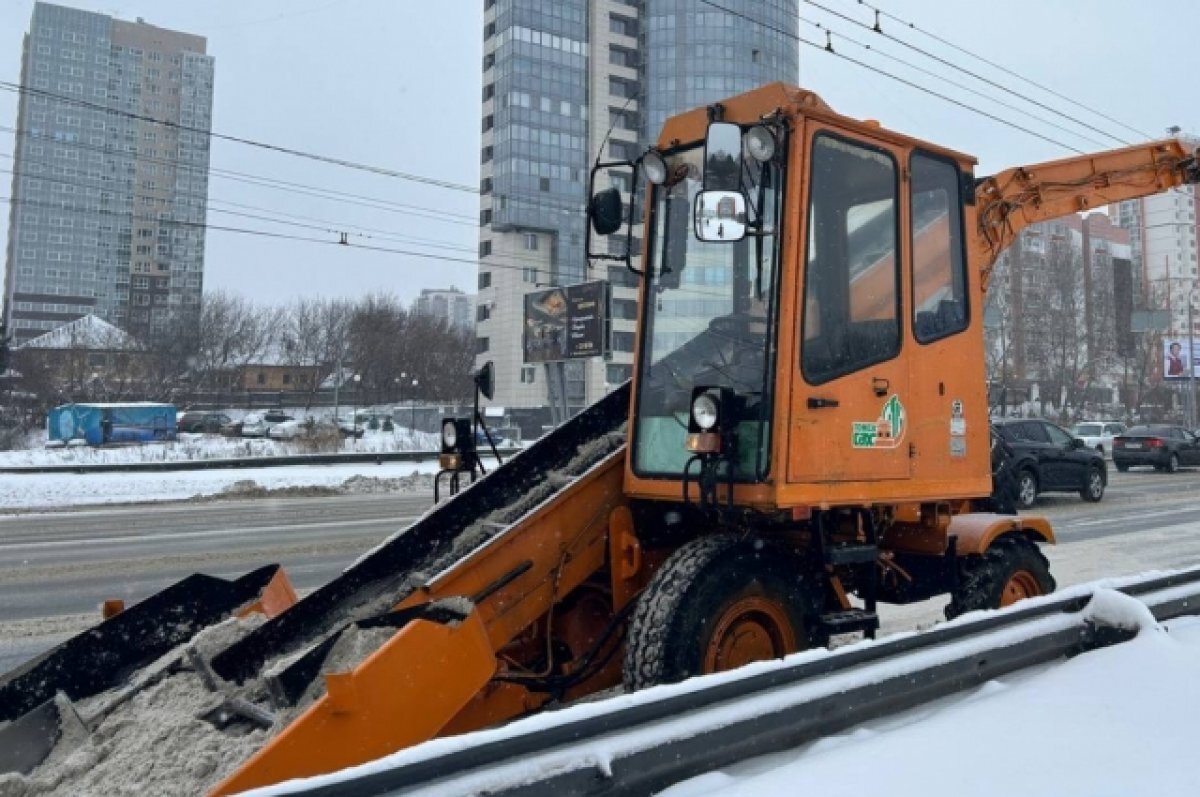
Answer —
1117 610
201 447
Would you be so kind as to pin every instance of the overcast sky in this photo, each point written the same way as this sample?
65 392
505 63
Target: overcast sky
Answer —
396 84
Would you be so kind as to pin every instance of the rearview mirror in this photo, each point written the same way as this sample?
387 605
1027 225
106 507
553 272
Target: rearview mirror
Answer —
606 211
720 216
485 380
723 157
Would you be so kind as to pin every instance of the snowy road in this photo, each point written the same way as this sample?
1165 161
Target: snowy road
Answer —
58 566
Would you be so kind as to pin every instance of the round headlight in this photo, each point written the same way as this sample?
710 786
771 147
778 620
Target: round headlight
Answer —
449 434
654 167
704 411
760 143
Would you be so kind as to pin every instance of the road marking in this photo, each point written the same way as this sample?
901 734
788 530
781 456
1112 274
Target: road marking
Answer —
1129 516
194 535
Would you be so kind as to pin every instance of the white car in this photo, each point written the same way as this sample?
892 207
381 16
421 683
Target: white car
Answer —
257 424
1098 434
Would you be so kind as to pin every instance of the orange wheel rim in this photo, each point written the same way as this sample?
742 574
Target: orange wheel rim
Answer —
751 629
1021 584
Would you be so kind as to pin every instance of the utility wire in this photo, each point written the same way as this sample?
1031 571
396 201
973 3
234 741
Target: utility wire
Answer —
1002 68
956 84
348 164
966 71
911 84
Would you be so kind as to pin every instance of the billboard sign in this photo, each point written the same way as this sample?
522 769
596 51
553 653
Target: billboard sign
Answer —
587 304
566 323
1177 353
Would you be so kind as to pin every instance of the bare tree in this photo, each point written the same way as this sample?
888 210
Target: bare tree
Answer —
232 333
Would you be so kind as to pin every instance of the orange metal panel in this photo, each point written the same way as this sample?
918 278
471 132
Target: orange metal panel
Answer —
402 694
975 532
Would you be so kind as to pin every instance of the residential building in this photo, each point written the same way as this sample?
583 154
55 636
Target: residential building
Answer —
565 83
1164 230
110 180
451 305
1059 310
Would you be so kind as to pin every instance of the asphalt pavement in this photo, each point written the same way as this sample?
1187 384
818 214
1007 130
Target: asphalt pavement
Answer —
56 568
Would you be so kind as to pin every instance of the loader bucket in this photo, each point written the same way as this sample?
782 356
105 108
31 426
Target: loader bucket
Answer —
36 697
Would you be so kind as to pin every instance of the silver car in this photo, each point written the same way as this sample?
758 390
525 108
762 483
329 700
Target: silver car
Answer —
1098 434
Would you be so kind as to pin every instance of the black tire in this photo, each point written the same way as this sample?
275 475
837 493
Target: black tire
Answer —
1100 450
1172 465
678 614
1123 468
1093 490
1027 488
982 579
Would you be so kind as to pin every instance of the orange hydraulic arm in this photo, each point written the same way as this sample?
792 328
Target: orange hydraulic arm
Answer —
1012 200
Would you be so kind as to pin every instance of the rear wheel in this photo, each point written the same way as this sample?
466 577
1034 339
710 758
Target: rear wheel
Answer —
1013 568
1093 490
716 604
1027 488
1123 468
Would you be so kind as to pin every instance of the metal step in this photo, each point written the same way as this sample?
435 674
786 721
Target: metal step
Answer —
848 621
851 553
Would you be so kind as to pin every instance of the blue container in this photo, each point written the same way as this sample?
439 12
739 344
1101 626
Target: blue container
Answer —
133 422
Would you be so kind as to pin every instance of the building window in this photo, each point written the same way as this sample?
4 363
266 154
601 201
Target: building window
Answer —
287 379
261 378
528 374
529 275
622 341
485 248
482 345
485 279
483 312
531 241
617 374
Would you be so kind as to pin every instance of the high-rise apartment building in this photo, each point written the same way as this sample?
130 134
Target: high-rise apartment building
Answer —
110 182
1164 232
566 81
451 305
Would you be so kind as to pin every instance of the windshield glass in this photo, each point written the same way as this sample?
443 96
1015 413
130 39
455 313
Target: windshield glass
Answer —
709 319
1086 429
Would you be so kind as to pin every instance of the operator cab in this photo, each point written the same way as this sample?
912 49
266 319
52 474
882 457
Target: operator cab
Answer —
804 293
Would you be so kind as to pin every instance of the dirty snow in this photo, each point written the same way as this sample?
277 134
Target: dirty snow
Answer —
28 491
203 447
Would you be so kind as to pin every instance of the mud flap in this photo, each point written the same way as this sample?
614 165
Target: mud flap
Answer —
402 694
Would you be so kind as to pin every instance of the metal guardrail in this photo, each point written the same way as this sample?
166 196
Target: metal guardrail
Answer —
242 462
661 760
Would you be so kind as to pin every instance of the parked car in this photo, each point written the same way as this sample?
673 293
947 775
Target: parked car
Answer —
1047 459
1098 434
310 427
1162 447
257 424
210 422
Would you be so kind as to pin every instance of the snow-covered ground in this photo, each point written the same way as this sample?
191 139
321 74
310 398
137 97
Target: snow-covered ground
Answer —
205 447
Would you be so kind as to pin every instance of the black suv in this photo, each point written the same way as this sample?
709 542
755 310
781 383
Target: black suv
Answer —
1047 459
194 421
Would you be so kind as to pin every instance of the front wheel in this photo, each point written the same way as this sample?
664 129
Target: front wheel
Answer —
1123 468
1027 489
1013 568
1172 464
1093 491
718 603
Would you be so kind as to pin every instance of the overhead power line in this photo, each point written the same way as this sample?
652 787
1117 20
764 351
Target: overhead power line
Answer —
964 70
956 84
1002 68
896 78
313 156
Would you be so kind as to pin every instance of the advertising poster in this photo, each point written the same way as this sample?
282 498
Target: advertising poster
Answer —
566 323
586 305
1177 354
545 338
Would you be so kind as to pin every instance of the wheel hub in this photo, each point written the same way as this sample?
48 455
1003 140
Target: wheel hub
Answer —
1021 584
751 629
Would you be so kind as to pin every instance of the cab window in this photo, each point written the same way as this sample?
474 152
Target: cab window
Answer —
852 275
939 273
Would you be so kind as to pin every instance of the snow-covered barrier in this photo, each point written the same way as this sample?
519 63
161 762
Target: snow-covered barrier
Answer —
644 742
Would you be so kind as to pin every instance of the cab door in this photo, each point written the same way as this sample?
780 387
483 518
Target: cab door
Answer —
849 420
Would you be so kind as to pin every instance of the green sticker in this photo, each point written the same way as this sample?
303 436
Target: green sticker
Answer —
884 432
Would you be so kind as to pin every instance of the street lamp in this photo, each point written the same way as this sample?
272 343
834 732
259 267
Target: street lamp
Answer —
413 426
357 379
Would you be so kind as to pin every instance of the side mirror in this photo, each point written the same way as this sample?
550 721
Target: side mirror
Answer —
723 157
720 216
606 211
1077 444
485 380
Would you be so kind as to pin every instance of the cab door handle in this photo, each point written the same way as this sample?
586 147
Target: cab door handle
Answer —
821 403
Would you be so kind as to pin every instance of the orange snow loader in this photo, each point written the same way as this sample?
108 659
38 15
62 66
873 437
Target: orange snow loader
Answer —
804 436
